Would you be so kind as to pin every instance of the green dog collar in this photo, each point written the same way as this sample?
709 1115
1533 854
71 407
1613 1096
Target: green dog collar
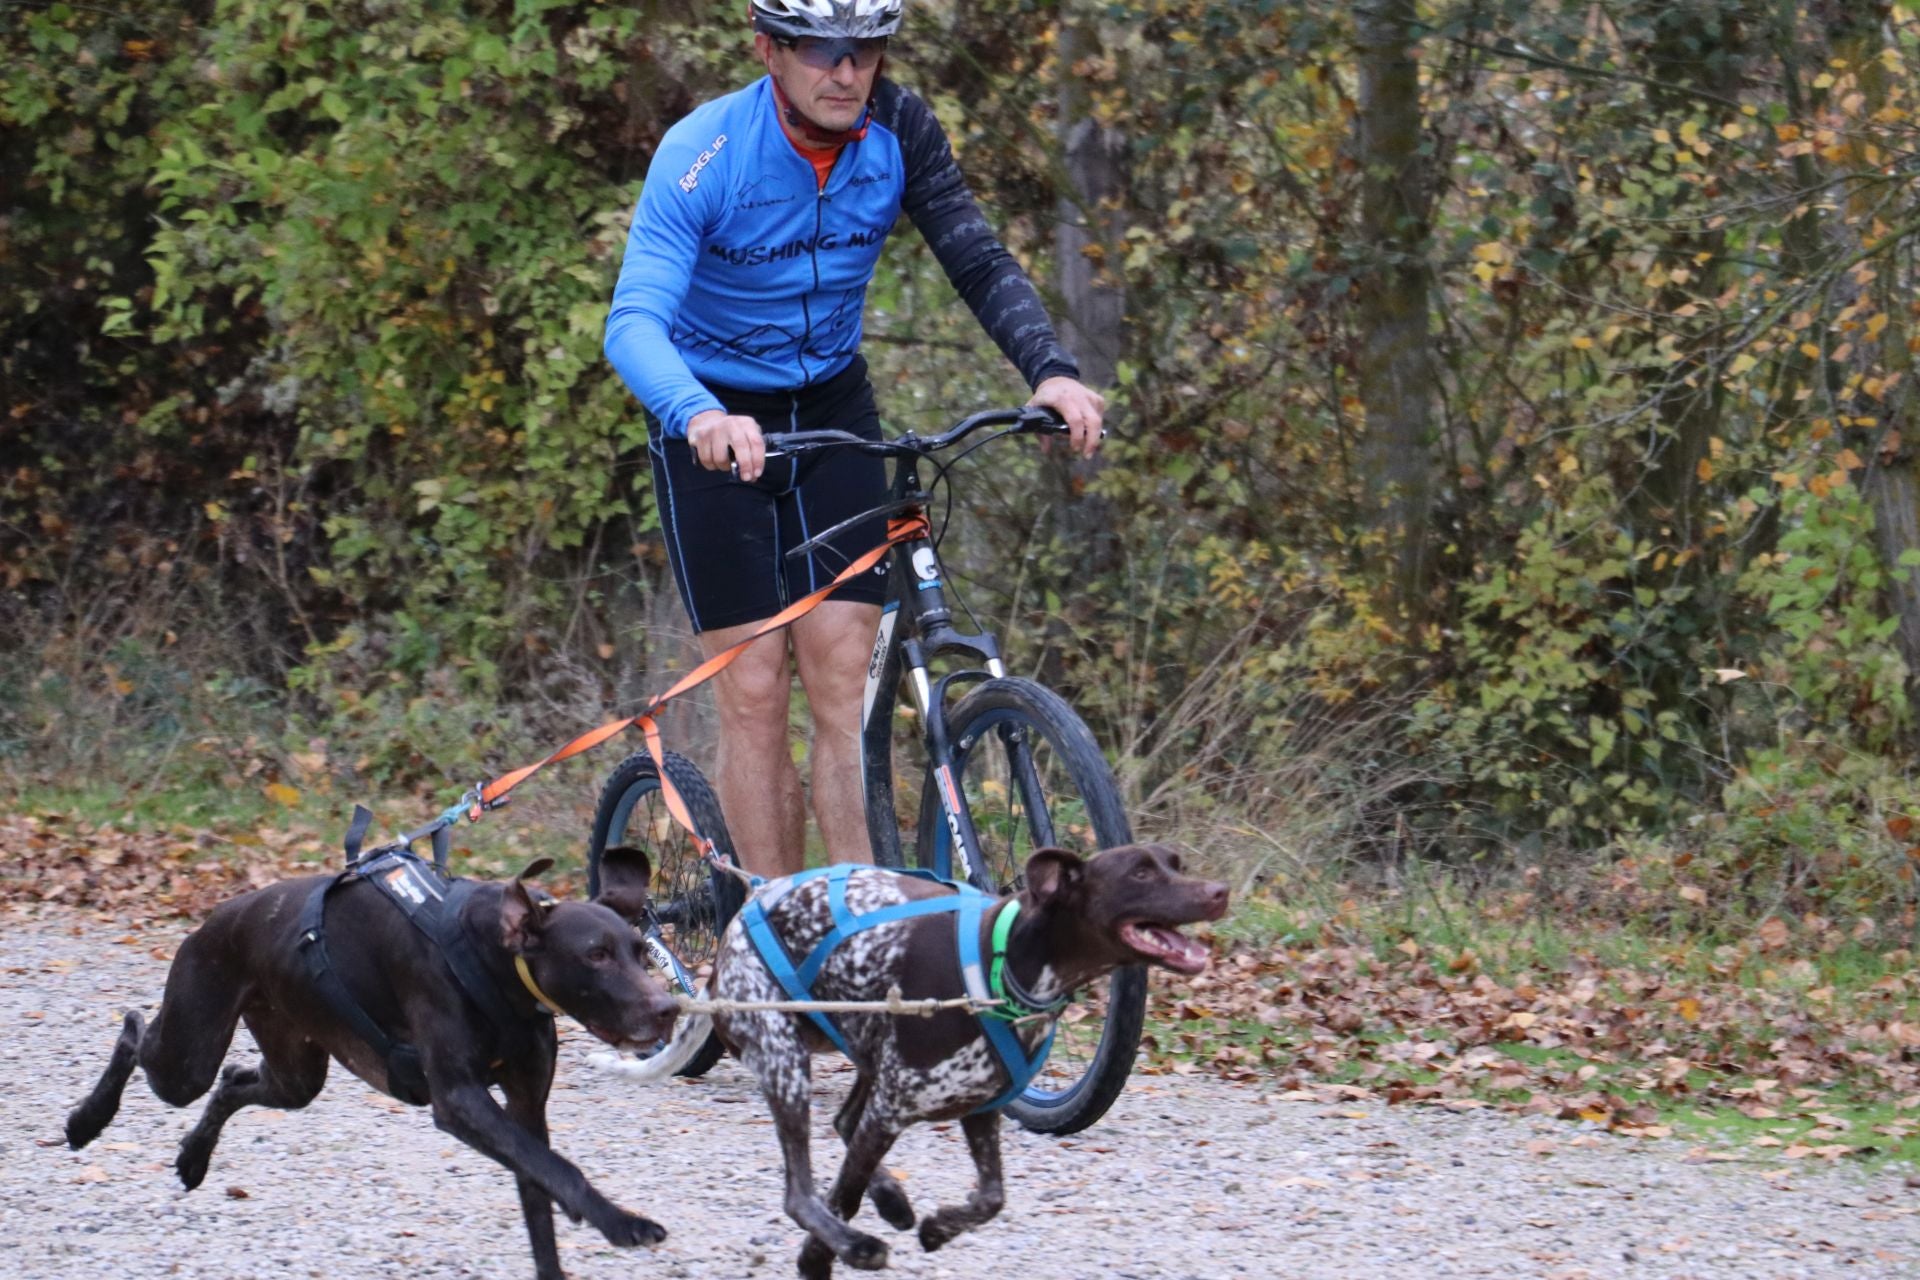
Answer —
1003 986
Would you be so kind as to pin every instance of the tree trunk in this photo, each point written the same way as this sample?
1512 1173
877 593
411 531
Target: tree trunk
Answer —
1692 47
1088 232
1855 31
1396 368
1094 157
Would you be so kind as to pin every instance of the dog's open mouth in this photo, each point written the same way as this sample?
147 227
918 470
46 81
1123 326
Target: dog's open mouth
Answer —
627 1043
1164 944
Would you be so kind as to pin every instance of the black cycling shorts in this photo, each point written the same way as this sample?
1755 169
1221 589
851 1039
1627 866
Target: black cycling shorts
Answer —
727 541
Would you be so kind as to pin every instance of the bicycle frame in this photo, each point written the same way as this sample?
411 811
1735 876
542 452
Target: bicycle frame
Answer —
916 627
916 596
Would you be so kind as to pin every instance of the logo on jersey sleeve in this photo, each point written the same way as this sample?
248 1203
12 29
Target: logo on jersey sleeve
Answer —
691 178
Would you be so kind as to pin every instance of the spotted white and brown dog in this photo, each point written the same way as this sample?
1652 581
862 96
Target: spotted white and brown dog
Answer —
1077 921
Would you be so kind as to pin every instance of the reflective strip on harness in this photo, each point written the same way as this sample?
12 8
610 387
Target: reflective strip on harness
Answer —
968 904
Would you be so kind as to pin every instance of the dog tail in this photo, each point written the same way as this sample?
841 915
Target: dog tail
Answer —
86 1121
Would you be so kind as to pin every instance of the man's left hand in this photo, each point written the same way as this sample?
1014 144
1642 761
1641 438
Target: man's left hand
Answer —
1079 404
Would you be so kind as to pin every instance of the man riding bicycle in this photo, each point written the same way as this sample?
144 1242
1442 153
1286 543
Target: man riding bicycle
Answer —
739 308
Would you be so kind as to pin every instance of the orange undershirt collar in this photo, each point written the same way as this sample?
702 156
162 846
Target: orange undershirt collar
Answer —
820 158
822 162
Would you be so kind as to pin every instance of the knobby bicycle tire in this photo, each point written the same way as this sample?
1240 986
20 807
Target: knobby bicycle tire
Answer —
699 896
1066 1097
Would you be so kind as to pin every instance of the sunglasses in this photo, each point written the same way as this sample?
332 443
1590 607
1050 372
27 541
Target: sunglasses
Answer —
824 55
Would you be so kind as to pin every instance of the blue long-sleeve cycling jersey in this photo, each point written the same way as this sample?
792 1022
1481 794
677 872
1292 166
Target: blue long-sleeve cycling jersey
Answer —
742 272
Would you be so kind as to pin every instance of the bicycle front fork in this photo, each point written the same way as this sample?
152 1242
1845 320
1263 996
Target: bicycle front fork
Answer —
664 959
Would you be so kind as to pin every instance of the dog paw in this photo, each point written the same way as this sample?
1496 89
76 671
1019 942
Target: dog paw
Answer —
894 1208
192 1166
630 1229
815 1261
934 1233
866 1253
82 1128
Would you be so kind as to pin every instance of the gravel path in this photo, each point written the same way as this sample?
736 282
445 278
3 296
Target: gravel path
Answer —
1186 1178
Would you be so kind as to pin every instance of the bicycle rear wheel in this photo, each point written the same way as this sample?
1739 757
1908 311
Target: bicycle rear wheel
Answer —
1030 774
692 899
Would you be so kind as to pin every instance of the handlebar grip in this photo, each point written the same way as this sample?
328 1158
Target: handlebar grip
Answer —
788 439
1042 417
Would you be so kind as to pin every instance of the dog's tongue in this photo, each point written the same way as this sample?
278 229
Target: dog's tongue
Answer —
1167 945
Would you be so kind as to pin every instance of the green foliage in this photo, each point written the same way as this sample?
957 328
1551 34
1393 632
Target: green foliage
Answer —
300 316
1553 697
1806 830
402 192
1832 642
355 308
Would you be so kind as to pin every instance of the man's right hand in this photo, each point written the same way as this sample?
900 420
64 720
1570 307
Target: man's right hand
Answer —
722 440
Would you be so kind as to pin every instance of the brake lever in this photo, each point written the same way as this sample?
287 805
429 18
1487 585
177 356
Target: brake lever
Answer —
770 455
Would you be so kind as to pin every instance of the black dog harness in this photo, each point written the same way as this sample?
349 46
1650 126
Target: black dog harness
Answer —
431 900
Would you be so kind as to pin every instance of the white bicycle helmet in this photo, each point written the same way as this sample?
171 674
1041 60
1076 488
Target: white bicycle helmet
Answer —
832 19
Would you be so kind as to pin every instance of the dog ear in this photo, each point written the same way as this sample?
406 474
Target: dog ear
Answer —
624 875
522 917
1053 878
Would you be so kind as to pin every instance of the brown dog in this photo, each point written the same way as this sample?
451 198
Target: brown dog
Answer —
1078 920
457 1025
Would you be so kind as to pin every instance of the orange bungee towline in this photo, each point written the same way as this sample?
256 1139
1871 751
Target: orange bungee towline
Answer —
491 795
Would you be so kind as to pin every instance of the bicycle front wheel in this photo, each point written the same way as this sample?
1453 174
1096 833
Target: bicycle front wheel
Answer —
1031 776
692 900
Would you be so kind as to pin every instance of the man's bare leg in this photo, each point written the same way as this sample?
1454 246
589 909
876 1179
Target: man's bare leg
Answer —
755 776
832 645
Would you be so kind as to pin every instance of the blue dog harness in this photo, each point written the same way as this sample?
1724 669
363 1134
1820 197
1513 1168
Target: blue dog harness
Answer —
983 982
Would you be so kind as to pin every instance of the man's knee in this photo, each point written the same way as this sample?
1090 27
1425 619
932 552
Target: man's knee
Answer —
756 684
832 657
836 695
760 709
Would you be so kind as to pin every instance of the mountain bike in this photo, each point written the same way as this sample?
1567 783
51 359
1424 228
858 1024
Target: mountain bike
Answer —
1004 765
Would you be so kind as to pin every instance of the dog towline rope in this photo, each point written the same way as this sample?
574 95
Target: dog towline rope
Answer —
898 530
895 1003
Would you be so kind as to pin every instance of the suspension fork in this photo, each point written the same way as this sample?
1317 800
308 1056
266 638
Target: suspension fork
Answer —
956 851
900 654
876 736
663 957
1033 797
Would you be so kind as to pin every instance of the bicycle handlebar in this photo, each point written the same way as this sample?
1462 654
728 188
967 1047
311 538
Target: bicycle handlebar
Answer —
1026 420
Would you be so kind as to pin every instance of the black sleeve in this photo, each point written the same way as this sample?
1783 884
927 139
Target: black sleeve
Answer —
987 277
